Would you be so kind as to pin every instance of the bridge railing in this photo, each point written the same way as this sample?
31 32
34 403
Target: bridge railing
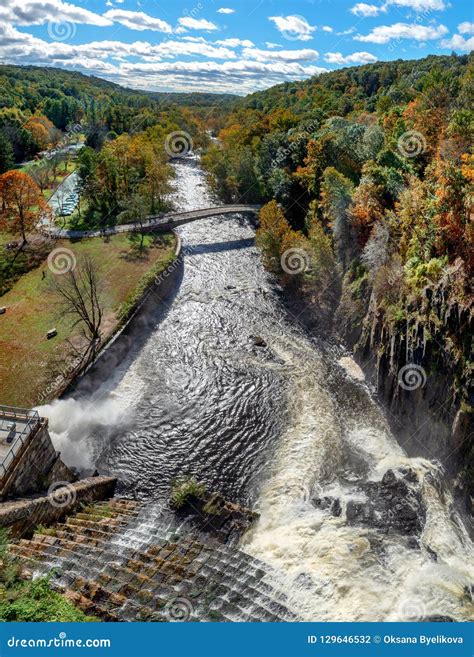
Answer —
164 219
8 415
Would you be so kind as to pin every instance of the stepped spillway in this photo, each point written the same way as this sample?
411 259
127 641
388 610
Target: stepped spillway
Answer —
123 561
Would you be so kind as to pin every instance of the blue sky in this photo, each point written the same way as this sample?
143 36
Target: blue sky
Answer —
226 45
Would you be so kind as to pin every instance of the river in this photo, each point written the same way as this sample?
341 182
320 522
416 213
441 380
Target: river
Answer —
277 427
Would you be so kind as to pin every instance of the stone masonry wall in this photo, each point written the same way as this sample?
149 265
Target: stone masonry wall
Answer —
30 470
21 517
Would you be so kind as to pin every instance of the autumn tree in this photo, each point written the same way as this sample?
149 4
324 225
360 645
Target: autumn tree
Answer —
271 232
336 196
22 203
322 274
42 130
367 207
453 207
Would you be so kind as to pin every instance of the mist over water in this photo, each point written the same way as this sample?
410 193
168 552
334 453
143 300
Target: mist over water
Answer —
272 427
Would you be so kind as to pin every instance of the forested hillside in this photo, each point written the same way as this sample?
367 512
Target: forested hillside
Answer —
36 103
368 174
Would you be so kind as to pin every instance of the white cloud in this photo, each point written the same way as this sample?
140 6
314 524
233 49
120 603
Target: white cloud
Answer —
138 20
270 44
355 58
281 55
195 39
418 5
38 12
351 30
235 43
466 28
293 27
386 33
242 75
197 24
458 43
151 72
25 48
327 28
225 10
363 9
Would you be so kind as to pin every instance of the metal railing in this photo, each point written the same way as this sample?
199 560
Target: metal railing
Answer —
31 420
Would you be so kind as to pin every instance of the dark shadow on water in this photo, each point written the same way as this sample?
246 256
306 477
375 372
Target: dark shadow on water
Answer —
219 247
115 360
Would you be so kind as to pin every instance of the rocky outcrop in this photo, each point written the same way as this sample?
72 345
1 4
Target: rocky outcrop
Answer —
392 505
418 357
211 513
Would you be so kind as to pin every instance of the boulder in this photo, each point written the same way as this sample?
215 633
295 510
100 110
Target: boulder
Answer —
258 341
394 504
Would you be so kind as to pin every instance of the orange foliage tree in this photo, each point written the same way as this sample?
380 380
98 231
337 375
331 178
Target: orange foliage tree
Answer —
366 209
42 130
21 203
273 227
453 215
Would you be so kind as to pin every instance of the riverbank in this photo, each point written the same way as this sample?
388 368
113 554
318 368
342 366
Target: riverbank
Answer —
35 370
276 425
418 366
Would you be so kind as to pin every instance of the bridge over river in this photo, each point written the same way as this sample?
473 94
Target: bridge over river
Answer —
160 223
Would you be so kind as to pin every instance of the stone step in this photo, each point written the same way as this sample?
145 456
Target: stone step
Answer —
119 560
90 607
149 564
131 578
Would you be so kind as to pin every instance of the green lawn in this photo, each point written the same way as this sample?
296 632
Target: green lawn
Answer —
29 363
13 265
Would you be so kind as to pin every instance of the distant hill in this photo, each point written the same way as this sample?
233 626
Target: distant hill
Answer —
36 100
27 87
356 88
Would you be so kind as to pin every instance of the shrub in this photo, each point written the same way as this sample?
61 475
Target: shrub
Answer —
30 600
182 490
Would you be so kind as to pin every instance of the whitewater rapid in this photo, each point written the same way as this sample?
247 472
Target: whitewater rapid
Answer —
273 427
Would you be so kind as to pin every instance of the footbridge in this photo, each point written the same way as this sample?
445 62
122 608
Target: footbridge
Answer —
155 223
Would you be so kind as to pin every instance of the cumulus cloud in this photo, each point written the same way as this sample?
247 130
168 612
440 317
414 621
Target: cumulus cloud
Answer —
242 75
138 20
386 33
38 12
25 48
418 5
197 24
225 10
235 43
458 43
306 55
327 28
355 58
363 9
152 71
350 30
293 27
466 28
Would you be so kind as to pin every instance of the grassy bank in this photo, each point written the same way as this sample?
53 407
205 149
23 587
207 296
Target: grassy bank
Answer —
33 369
30 600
